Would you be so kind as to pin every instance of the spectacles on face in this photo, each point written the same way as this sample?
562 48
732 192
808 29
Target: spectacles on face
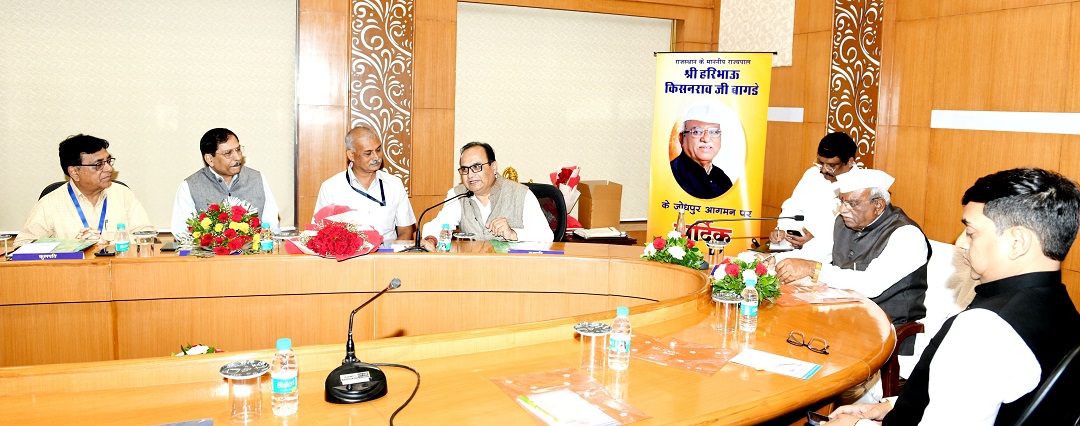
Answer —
97 165
697 132
239 150
815 344
854 203
476 168
829 167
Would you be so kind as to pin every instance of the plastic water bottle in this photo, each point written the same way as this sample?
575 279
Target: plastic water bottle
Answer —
444 238
619 340
266 239
123 240
748 307
283 374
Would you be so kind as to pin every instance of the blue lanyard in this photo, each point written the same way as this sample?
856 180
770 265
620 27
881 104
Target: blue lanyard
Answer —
104 208
382 191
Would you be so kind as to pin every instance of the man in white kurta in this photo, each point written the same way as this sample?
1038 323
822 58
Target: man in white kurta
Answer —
379 196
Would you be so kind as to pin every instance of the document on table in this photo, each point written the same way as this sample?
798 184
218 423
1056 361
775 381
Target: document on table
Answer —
609 232
564 407
776 363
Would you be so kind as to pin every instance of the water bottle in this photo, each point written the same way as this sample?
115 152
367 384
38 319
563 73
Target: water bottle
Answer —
123 240
266 239
748 307
283 374
444 238
619 340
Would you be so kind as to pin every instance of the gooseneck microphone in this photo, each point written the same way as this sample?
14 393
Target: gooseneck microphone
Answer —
356 381
419 231
797 217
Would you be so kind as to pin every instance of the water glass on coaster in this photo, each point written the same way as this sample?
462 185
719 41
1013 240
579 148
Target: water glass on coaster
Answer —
144 242
725 317
715 252
245 390
593 348
279 240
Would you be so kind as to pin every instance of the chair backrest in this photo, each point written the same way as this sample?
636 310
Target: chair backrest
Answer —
890 373
554 206
52 186
1054 402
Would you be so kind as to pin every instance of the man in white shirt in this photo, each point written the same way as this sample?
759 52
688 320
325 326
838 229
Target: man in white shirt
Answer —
498 209
223 177
983 365
365 187
814 197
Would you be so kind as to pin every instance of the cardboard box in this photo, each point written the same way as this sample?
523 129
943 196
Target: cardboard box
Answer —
600 203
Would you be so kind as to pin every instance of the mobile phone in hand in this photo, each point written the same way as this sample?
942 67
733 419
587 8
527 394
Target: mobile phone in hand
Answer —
815 419
794 232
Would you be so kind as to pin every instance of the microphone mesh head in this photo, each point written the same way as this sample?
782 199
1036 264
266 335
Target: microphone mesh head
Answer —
395 283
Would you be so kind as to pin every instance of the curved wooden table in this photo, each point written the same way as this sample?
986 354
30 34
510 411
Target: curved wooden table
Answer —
457 366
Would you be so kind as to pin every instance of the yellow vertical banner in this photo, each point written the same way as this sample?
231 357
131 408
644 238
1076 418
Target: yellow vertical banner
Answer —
708 152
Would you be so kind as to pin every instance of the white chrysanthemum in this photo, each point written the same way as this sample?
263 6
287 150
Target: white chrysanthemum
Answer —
674 234
747 256
649 250
676 252
233 201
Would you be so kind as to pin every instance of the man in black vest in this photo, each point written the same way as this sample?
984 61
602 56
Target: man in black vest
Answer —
223 177
877 250
985 362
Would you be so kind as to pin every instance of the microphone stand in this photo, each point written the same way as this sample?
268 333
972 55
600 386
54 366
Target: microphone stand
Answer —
356 381
420 231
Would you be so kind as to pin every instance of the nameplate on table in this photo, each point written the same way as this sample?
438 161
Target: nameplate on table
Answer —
51 249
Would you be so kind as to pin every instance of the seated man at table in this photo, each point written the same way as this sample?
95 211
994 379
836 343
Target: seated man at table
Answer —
984 364
498 209
223 177
365 187
89 202
877 251
815 198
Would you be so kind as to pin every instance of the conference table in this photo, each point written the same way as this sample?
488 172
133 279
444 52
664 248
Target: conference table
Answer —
86 342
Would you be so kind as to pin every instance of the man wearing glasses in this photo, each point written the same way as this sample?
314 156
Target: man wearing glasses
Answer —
699 139
89 206
815 198
498 209
984 364
878 251
223 177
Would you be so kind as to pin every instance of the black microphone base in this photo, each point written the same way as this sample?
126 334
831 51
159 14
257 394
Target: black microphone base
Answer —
414 249
355 382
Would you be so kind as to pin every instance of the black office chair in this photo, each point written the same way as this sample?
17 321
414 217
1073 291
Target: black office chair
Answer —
55 185
1057 394
554 206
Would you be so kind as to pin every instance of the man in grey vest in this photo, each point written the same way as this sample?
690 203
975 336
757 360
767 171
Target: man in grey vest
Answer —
985 363
223 177
877 250
498 209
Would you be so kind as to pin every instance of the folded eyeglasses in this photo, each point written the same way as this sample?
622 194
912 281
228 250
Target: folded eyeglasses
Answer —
815 344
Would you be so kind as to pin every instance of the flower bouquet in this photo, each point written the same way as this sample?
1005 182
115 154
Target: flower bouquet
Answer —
676 249
338 233
229 227
198 349
728 276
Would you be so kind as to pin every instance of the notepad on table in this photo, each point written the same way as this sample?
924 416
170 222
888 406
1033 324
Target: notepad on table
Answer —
564 407
776 364
51 249
609 232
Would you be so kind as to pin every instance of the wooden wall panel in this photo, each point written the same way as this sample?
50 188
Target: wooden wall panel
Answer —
910 85
1070 166
963 40
907 10
818 65
787 82
1029 59
912 149
321 139
70 332
1072 86
820 14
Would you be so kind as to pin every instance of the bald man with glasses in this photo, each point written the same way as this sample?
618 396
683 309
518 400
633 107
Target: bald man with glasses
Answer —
498 209
223 177
89 206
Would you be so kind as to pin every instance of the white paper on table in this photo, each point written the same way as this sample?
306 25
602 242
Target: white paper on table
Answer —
776 364
34 248
564 407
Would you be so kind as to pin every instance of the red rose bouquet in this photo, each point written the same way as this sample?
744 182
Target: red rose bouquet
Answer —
229 227
337 235
728 276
